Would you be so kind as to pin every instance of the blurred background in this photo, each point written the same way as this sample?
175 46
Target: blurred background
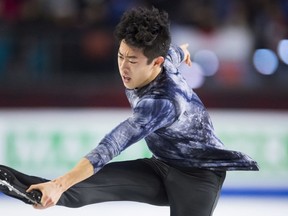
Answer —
62 53
60 91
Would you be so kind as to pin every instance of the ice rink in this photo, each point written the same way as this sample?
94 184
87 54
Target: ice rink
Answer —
230 206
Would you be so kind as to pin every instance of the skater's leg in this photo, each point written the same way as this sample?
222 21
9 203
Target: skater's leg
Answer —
15 184
24 178
126 181
193 192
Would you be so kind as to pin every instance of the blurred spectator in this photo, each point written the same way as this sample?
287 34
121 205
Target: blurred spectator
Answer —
56 40
11 10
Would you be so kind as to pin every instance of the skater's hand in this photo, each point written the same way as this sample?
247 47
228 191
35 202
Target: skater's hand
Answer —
51 193
187 59
52 190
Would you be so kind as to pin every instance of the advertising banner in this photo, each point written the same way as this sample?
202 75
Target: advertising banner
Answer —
48 143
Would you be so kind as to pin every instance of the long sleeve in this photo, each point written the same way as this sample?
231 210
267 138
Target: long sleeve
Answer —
175 56
149 115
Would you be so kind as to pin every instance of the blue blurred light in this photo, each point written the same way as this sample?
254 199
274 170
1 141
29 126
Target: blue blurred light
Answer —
193 75
283 50
265 61
208 60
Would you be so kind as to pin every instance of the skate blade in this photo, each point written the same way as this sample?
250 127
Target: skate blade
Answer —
15 190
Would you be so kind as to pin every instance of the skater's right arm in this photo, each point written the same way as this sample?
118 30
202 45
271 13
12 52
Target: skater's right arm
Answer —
52 190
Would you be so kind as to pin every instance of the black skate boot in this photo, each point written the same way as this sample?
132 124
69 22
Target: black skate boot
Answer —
11 186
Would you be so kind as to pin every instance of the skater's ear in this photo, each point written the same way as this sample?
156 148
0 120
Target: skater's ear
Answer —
158 62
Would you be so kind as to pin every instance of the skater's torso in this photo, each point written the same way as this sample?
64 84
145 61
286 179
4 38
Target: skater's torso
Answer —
171 118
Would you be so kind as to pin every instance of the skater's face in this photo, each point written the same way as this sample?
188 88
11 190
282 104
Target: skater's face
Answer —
134 68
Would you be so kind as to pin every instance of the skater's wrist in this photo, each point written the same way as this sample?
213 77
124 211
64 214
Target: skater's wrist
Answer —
80 172
60 184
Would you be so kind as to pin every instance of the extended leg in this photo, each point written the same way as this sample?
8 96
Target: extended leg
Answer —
15 184
125 181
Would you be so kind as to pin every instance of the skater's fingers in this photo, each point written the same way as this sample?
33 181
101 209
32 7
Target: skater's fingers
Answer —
188 60
187 55
184 46
38 206
46 202
33 187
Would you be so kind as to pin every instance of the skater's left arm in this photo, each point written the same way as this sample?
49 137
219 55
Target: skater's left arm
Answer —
186 52
177 55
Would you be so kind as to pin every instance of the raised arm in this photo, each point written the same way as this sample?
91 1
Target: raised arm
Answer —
178 54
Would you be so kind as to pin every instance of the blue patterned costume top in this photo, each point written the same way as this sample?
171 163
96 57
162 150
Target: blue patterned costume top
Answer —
171 118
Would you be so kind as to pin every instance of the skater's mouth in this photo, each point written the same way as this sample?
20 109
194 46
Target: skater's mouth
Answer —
126 78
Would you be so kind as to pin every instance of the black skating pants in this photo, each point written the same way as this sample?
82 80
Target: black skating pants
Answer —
188 191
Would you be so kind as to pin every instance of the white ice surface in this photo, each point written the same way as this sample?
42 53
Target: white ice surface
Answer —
227 206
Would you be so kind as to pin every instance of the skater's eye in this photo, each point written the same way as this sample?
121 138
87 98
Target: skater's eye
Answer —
120 57
132 62
131 59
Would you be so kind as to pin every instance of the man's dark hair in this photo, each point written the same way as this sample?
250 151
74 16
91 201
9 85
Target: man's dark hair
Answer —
146 29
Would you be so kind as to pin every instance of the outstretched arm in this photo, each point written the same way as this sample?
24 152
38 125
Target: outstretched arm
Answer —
148 116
